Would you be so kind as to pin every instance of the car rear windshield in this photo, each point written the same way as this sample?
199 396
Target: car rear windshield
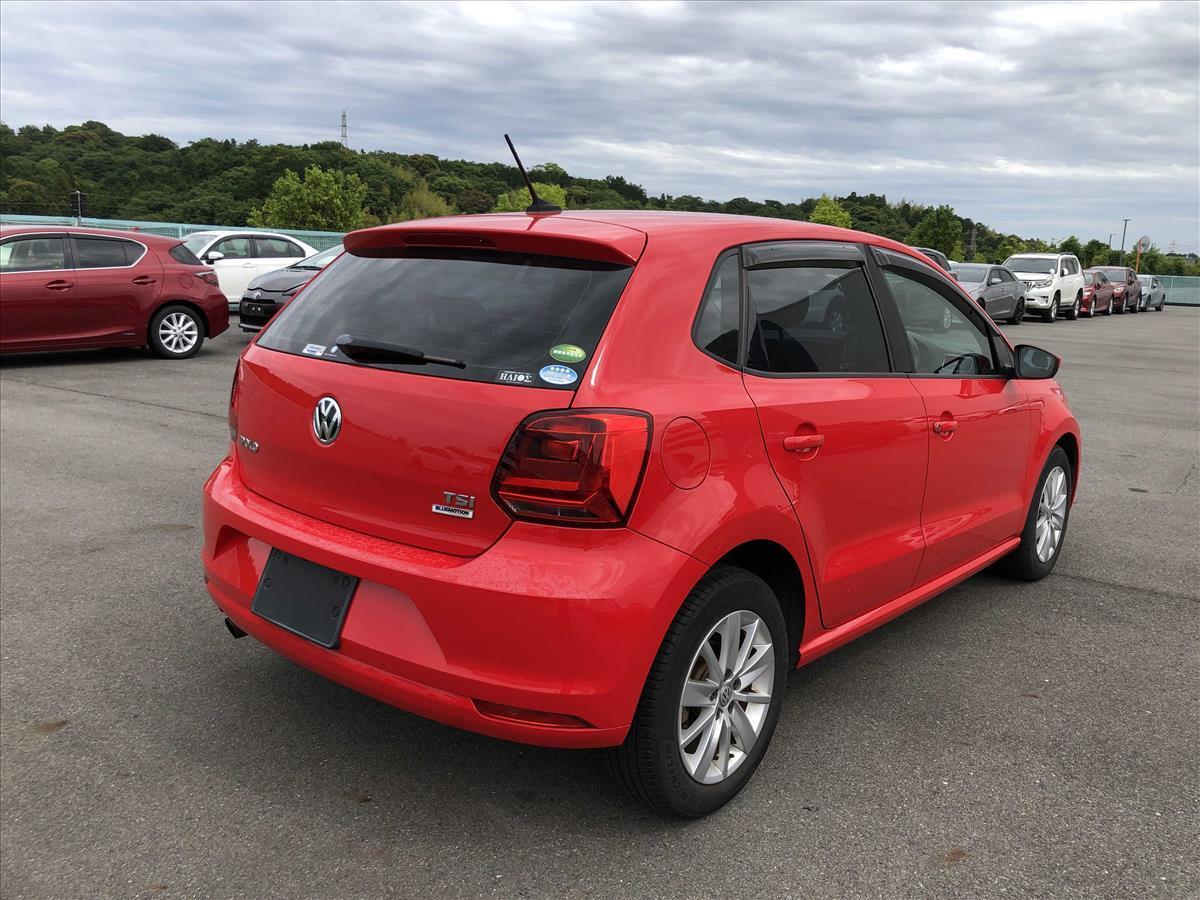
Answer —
1035 264
508 317
180 253
970 274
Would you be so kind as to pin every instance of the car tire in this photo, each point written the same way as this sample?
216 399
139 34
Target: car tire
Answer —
1029 562
1052 313
1108 311
652 763
1120 310
1073 312
1018 314
176 332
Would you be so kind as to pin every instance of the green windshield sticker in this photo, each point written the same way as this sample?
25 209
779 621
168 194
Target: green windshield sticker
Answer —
568 353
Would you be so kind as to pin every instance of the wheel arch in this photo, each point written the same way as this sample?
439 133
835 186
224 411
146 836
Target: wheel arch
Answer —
775 565
190 304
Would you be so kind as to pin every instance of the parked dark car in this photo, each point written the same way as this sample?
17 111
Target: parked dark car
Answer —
995 288
82 288
1097 294
268 294
1127 290
936 255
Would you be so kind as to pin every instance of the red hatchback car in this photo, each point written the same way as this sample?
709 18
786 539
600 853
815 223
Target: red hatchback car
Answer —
600 479
75 288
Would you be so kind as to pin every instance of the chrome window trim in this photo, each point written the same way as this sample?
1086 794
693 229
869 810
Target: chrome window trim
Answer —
67 236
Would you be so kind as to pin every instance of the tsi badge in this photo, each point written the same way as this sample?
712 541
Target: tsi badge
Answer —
461 506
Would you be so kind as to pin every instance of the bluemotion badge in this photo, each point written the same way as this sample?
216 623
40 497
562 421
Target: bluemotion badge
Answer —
568 353
558 375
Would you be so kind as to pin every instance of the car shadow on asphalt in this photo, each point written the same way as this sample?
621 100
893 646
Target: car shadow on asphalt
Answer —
334 747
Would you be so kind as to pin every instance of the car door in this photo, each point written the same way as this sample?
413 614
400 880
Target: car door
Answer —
274 253
37 290
117 283
844 433
237 266
977 418
1008 293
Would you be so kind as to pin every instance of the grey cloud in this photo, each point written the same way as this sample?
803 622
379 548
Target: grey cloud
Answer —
1015 113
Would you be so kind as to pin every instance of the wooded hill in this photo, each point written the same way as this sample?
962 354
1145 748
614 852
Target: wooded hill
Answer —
225 182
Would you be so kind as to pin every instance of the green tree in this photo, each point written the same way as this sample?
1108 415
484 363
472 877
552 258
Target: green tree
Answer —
1072 245
473 201
1095 253
940 229
829 212
422 203
323 201
1010 246
518 200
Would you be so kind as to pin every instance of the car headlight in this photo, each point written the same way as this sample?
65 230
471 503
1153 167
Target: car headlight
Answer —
1045 282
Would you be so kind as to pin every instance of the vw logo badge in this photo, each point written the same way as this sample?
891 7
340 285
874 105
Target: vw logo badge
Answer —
327 420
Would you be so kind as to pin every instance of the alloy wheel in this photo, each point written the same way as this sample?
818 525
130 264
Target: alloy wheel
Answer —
1052 514
726 697
178 332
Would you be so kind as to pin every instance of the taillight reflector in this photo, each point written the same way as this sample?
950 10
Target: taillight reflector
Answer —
574 467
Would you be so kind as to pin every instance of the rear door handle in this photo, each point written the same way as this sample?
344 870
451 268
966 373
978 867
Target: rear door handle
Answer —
945 427
249 265
143 279
799 443
59 285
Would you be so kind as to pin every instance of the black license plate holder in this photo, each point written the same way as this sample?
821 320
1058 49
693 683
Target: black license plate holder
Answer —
307 599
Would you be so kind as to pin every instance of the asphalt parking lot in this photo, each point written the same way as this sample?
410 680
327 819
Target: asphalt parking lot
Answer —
1003 739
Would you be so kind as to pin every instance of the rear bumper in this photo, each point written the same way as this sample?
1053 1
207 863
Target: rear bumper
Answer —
563 621
217 313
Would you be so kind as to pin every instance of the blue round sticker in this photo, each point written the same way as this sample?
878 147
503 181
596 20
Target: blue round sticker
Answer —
558 375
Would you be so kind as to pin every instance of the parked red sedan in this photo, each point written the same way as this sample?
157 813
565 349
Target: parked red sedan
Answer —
1127 290
602 479
80 288
1097 294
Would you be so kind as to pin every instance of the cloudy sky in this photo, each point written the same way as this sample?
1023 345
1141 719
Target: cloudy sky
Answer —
1039 118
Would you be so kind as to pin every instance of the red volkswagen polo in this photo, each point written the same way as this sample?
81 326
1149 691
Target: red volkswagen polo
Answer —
600 479
80 288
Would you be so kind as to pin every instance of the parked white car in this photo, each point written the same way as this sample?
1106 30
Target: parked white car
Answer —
1054 283
241 256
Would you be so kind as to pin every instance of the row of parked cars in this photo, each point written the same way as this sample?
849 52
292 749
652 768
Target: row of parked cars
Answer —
1053 284
80 288
84 288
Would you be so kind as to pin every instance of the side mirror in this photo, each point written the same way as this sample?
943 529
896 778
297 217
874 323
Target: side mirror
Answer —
995 279
1035 363
1063 273
213 255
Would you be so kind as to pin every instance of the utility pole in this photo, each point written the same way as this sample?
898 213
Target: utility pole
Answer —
972 242
345 141
1110 237
77 207
1124 228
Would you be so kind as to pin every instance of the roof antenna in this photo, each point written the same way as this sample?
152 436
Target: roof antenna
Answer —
538 205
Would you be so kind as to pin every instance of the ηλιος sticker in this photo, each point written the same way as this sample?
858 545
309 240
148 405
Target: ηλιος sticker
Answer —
558 375
568 353
507 377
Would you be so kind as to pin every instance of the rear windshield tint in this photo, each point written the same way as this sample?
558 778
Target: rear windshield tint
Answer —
180 253
509 317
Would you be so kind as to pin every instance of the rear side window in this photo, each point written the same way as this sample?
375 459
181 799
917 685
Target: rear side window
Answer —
718 327
814 319
96 253
180 253
275 248
508 317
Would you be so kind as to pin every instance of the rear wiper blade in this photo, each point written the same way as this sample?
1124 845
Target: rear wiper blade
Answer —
367 351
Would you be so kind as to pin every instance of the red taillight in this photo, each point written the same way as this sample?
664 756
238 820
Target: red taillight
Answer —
574 467
209 276
233 402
